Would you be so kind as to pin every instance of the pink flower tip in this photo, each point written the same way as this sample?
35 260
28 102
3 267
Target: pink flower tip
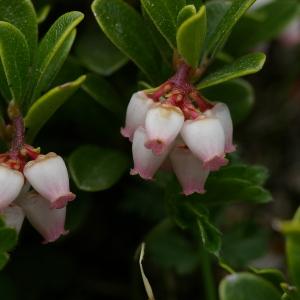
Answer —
157 146
126 132
192 189
142 174
62 201
230 149
215 163
55 235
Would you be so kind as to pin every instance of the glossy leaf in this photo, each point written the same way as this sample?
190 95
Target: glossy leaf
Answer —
101 91
8 239
238 94
126 29
215 11
245 65
185 13
54 49
246 286
251 31
292 232
14 54
97 53
164 15
272 275
21 14
43 13
191 36
97 169
223 29
45 106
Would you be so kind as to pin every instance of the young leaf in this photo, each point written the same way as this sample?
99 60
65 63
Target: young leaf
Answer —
97 53
8 239
45 107
223 29
238 94
185 13
53 50
164 15
246 286
21 14
43 13
126 29
15 59
191 36
96 169
245 65
101 91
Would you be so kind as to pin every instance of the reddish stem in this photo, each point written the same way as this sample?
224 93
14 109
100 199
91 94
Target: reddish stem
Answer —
18 137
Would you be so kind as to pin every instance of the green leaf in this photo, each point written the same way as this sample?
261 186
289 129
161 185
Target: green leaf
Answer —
185 13
15 58
8 239
21 14
215 11
238 94
126 29
245 286
293 248
223 29
97 53
164 15
4 257
273 18
96 169
43 13
45 106
101 91
54 49
210 235
191 36
274 276
245 65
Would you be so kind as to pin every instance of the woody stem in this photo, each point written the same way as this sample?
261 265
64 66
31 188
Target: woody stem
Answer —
18 136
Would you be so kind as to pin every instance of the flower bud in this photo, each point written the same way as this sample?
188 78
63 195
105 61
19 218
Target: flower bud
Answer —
206 139
48 222
48 175
136 113
222 113
11 183
13 217
146 163
189 170
163 123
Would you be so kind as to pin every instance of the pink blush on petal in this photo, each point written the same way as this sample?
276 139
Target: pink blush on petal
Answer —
157 146
215 163
63 201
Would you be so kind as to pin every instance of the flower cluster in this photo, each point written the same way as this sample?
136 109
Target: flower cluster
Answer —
174 121
44 204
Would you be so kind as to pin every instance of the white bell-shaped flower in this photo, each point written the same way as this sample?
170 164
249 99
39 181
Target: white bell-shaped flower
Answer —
48 175
50 223
163 123
13 217
11 183
222 113
206 139
136 113
189 170
146 163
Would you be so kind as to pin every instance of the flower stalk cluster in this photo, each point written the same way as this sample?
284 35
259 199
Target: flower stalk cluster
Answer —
175 123
33 185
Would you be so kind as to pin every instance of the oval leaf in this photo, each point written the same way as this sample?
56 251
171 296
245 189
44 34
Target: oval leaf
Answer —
45 107
126 29
223 29
8 239
21 14
245 65
191 37
96 169
14 54
186 12
53 50
164 15
245 286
